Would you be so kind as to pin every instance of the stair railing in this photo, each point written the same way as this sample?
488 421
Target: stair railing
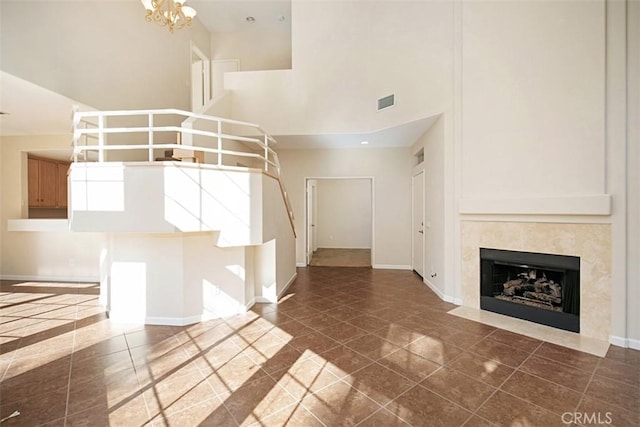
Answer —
91 135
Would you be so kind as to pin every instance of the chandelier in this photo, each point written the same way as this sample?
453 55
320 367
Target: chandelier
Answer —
171 13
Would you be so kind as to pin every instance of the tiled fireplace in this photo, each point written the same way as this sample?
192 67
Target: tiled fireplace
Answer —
565 247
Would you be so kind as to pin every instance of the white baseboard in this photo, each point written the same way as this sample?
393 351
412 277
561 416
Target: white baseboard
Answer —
250 304
301 264
435 289
45 278
291 280
346 247
172 321
265 300
442 296
392 267
625 342
452 300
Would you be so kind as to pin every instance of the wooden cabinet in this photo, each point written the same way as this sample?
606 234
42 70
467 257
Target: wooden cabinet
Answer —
47 183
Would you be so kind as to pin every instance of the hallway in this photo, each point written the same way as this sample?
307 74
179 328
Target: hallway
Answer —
329 257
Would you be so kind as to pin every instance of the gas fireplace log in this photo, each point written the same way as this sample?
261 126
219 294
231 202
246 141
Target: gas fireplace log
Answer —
511 286
542 297
512 283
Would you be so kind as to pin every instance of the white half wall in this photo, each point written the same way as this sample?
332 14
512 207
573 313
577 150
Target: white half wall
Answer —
344 213
51 255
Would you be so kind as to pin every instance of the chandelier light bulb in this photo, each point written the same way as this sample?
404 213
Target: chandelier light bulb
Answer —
169 13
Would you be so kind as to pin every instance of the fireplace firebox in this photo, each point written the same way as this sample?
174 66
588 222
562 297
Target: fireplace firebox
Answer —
541 288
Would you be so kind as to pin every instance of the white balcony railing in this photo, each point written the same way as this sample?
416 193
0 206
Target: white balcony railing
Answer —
146 136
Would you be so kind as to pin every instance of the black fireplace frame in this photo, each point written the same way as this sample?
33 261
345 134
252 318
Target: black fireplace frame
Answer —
568 319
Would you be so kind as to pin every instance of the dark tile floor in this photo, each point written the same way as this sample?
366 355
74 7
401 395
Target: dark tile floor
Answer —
343 347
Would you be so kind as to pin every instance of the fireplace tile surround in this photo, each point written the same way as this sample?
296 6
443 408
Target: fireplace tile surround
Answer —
591 242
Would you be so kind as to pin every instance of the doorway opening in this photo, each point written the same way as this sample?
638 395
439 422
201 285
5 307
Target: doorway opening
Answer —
200 79
339 222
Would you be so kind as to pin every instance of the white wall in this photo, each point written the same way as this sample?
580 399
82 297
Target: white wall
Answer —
633 173
101 53
391 170
346 55
276 228
344 213
256 50
48 255
533 99
2 218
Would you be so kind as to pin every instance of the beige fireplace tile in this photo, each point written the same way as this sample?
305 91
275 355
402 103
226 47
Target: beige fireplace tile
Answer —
590 242
544 333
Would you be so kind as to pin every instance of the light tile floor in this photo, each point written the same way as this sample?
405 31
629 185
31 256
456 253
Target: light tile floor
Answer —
343 347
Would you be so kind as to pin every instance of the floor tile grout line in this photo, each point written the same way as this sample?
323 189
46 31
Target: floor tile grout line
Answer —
419 384
341 380
596 374
499 388
562 363
73 351
135 371
584 394
310 358
554 382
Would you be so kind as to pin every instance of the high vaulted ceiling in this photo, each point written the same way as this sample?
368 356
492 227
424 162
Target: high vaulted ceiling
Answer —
231 15
34 110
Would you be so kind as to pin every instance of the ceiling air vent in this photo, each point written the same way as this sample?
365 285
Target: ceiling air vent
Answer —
386 102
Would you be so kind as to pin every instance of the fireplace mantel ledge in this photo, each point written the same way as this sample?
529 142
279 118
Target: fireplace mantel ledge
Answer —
571 205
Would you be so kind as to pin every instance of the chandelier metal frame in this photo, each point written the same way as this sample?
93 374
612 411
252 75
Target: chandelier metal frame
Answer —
170 13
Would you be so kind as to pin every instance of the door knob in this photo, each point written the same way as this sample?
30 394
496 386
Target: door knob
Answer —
421 231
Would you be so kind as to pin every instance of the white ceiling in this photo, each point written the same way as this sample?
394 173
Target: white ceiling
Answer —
231 15
403 135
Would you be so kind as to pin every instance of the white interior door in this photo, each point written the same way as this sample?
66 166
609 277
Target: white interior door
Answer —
311 219
418 223
197 85
200 79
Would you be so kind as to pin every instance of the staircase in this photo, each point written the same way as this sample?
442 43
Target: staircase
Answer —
198 228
